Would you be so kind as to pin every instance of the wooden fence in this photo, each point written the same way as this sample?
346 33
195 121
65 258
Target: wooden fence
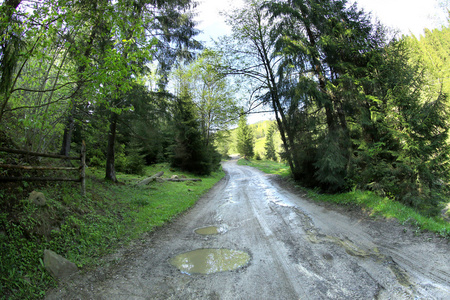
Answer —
81 168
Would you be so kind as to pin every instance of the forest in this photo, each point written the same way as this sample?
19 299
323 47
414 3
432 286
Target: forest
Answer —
356 106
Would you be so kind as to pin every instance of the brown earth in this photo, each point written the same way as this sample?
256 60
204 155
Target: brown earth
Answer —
298 250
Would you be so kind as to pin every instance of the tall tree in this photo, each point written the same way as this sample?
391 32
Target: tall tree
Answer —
244 136
212 92
269 145
190 152
251 54
325 45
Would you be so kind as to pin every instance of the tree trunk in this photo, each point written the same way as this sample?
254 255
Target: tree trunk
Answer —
150 179
67 138
110 154
7 63
68 130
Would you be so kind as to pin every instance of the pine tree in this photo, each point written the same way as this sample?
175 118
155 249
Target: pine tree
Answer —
244 137
269 146
190 152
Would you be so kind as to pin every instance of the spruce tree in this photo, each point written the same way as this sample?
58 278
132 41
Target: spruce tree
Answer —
244 137
269 146
190 152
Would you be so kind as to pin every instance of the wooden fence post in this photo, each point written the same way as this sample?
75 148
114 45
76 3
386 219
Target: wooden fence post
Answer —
83 169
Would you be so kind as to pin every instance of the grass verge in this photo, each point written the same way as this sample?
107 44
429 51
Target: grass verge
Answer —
267 166
376 205
83 229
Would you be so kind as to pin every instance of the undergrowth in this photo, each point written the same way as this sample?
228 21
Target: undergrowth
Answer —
83 229
376 205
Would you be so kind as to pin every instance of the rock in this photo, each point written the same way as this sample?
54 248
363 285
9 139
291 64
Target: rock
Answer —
58 266
37 198
174 177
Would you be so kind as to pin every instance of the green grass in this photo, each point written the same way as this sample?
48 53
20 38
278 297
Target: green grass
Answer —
84 229
376 206
267 166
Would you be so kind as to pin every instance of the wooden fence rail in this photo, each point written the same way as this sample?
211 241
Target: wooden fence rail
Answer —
81 168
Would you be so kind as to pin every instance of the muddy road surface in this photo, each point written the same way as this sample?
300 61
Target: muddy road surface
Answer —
258 240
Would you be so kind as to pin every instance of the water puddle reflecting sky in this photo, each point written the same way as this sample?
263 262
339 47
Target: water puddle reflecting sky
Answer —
209 261
211 230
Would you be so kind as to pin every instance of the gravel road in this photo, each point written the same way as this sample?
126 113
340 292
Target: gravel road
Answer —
297 250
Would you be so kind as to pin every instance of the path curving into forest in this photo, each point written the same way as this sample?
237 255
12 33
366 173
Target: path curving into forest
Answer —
297 250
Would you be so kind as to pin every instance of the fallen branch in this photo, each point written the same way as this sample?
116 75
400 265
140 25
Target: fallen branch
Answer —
150 179
182 179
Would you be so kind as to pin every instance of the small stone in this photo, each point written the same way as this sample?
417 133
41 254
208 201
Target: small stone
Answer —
37 198
58 266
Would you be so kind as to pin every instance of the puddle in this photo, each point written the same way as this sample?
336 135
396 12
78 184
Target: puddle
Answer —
211 230
401 275
209 261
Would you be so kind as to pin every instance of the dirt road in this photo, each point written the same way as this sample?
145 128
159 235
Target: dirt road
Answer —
296 249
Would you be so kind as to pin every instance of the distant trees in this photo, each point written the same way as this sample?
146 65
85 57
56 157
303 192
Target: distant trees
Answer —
244 136
269 145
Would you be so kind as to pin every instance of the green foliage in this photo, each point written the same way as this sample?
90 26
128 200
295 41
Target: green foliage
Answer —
223 142
244 136
191 152
212 92
130 160
269 145
331 164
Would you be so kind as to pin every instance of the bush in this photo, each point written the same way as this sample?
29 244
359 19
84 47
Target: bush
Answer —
133 163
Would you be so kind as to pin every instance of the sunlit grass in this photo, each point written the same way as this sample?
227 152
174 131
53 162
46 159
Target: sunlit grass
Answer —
267 166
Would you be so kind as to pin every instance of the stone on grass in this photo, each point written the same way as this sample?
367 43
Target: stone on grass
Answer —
37 198
58 266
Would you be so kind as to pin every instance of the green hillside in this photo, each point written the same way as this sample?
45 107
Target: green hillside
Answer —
226 143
